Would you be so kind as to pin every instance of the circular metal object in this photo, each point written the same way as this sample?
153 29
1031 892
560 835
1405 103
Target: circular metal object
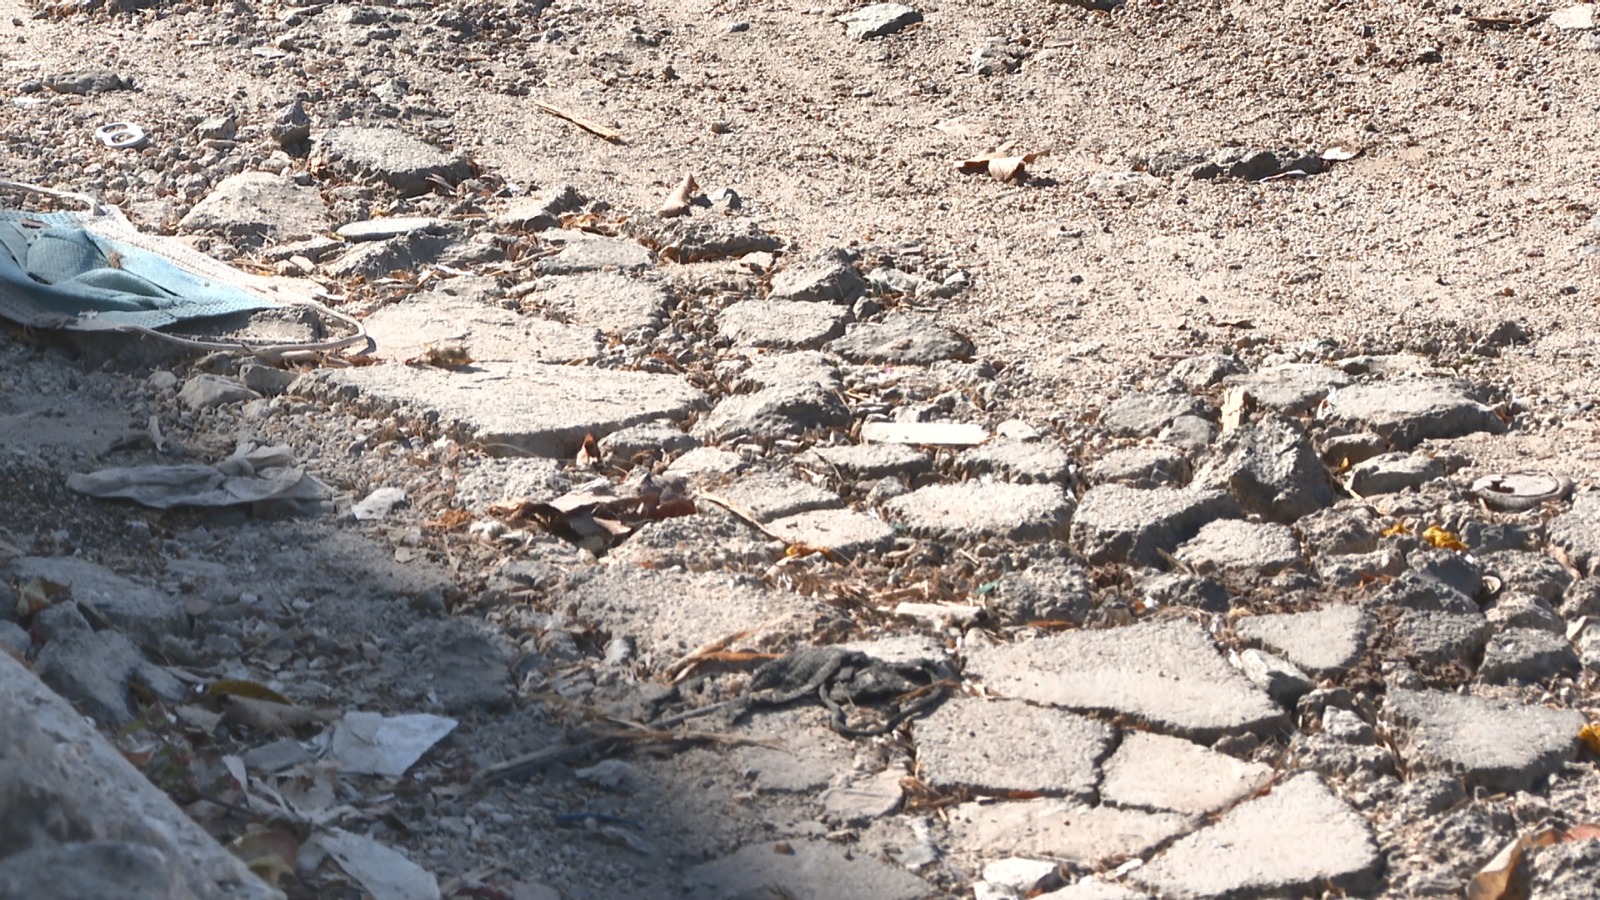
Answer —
1520 490
120 135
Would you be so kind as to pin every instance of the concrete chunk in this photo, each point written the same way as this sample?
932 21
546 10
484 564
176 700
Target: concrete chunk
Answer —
1140 774
972 510
1167 674
1409 411
1324 642
1008 745
1499 745
449 316
1063 829
804 870
1233 545
518 407
1300 837
1117 523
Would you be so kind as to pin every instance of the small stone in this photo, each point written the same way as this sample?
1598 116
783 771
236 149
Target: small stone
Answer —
972 510
844 532
867 462
1190 434
1349 449
1357 569
827 278
773 495
1281 679
1167 673
98 81
1116 523
276 756
1141 467
1391 473
611 303
217 128
1297 838
1519 610
657 438
1409 411
1024 463
259 206
998 746
1139 774
1184 590
1236 546
878 20
93 670
1325 642
779 369
1342 529
584 252
1525 656
1344 725
394 226
775 412
291 125
903 339
1145 415
378 504
1498 745
540 212
1197 373
1047 591
781 324
266 380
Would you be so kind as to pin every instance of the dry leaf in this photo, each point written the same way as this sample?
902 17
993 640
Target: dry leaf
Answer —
1236 409
1494 881
239 687
1588 831
36 594
275 718
589 453
446 356
269 852
1444 540
1001 164
681 198
1396 528
1590 735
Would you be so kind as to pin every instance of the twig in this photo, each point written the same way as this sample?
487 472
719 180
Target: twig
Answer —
599 131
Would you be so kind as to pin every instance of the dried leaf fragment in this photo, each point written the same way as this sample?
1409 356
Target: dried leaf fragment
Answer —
274 718
1496 879
446 356
269 852
1444 540
37 594
240 687
1590 736
1001 164
681 198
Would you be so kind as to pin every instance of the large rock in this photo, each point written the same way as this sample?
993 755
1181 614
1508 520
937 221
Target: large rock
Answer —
972 510
998 746
1526 656
1237 546
259 205
1144 773
1271 468
1117 523
1025 462
1299 838
1145 415
1409 411
1498 745
93 670
145 614
1167 674
828 277
878 19
390 156
784 324
584 252
460 314
1062 829
614 304
1441 638
518 408
78 820
1325 642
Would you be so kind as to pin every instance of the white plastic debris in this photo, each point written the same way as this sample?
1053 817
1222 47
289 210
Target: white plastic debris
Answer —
369 743
383 872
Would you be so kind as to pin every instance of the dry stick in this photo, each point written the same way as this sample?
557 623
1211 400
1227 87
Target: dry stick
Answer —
599 131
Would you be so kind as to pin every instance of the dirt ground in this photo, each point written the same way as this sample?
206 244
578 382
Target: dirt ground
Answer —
1467 200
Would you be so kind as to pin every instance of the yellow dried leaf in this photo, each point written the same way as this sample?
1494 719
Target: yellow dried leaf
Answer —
1590 735
1444 540
239 687
269 852
1396 528
275 718
36 594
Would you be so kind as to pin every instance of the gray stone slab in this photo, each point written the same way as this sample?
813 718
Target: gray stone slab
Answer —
1409 411
803 870
668 613
1391 473
973 510
259 205
1237 546
585 252
844 532
780 369
615 304
775 495
1063 829
1282 680
1526 656
530 408
1141 467
1495 744
903 339
1577 532
1206 370
1050 590
1165 673
653 438
377 259
1324 642
782 324
1144 415
1024 462
1342 529
1529 572
490 333
775 412
1117 523
1094 889
145 614
1298 838
1520 610
539 212
1153 771
93 670
59 778
390 156
1293 389
1007 745
1271 467
867 462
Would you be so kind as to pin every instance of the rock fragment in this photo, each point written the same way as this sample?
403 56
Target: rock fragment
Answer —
878 20
1237 546
1117 523
1271 468
390 156
1526 656
1498 745
1409 411
1140 774
1007 745
1324 642
775 412
973 510
904 339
